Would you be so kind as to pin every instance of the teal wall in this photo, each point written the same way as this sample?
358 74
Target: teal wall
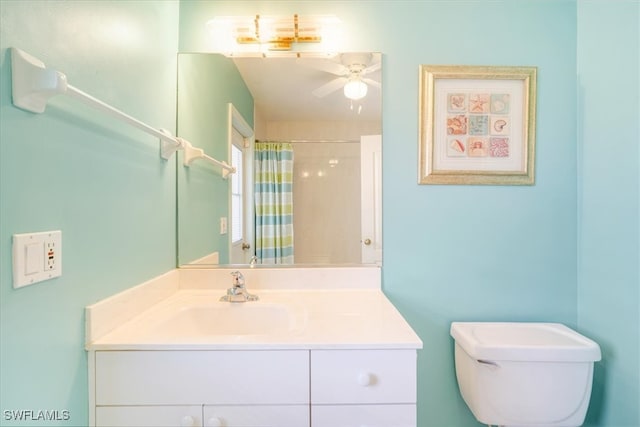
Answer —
203 121
98 180
565 249
609 197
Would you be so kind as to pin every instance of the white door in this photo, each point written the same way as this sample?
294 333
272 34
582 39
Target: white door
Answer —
371 198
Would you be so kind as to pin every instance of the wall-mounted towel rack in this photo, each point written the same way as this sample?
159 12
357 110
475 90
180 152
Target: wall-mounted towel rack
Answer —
33 84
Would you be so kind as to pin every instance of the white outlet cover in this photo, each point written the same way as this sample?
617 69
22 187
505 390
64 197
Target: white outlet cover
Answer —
36 257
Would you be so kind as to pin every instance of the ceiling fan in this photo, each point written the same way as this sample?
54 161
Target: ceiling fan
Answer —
352 69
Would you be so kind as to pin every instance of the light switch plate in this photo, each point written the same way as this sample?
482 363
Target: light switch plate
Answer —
36 257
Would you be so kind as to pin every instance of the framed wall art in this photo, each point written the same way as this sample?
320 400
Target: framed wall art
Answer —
477 125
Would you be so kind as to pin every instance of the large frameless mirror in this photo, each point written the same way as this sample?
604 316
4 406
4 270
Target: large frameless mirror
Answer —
304 134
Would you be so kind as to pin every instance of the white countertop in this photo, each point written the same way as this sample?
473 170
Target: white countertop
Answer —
325 319
298 308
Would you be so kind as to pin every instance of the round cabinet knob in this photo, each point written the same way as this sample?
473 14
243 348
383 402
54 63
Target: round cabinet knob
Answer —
187 421
365 379
367 242
214 422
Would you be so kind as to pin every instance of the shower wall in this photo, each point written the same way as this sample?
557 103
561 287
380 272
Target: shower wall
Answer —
326 202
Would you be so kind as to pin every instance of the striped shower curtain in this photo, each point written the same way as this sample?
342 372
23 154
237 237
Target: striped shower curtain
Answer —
274 202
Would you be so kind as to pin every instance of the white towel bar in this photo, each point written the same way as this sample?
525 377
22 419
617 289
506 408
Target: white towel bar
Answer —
33 84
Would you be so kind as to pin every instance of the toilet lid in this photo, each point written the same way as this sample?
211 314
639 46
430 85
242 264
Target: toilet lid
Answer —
521 341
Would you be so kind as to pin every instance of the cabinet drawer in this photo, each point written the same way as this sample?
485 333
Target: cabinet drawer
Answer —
256 416
149 416
363 376
364 415
201 377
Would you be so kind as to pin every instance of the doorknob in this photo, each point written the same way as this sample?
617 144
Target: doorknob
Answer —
367 242
245 246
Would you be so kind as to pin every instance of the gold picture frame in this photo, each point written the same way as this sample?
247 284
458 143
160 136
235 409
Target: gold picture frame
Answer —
477 125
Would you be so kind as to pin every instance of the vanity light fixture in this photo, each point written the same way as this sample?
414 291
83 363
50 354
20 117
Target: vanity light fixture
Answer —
262 35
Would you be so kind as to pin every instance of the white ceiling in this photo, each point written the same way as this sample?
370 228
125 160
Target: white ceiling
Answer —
282 90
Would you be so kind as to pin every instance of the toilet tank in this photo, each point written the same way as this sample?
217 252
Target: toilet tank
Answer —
524 374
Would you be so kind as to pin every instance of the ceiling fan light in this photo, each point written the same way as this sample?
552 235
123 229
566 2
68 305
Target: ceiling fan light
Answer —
355 89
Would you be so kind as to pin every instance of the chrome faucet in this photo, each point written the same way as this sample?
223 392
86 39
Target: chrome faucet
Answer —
238 292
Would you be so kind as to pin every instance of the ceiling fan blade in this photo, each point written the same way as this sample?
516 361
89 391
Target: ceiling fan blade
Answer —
371 68
371 82
325 65
332 86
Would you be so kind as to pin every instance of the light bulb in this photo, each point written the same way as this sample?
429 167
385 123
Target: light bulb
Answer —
355 89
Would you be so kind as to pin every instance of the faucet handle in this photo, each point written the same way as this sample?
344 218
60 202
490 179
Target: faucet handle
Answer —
238 278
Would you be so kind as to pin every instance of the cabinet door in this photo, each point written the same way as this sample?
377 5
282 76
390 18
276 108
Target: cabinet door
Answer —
149 416
363 376
147 378
256 416
363 416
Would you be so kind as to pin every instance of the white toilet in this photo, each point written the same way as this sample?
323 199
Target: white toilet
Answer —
524 374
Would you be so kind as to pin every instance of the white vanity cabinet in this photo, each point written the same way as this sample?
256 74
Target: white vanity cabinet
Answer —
255 388
321 348
202 388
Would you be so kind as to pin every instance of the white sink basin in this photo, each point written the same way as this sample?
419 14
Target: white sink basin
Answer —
223 318
200 318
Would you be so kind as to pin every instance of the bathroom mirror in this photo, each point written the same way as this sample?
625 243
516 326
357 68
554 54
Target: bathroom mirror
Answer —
296 103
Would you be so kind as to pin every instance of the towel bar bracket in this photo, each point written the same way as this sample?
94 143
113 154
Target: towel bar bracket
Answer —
168 148
32 83
192 153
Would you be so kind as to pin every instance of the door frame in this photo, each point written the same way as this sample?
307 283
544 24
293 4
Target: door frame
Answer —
237 122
